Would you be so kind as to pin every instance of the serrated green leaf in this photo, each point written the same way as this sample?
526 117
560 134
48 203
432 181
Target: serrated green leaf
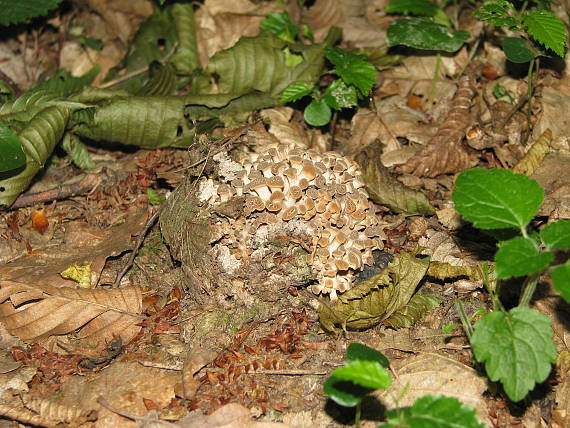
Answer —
497 13
18 11
436 411
413 7
497 198
11 154
556 235
422 33
339 95
516 347
377 298
416 309
547 29
317 113
345 393
519 257
561 280
518 50
368 374
279 23
77 151
386 190
353 69
38 140
296 91
185 58
358 351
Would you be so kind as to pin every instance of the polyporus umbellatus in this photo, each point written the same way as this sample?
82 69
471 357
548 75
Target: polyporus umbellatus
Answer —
294 193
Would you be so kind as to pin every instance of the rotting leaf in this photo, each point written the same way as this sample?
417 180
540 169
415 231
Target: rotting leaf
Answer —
417 308
37 312
386 190
535 155
375 299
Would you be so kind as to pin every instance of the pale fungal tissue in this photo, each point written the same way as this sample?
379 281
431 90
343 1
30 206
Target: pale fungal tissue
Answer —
311 197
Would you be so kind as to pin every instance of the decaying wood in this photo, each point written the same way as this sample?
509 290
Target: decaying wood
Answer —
444 154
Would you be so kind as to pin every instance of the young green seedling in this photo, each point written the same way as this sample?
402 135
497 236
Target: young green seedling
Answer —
516 346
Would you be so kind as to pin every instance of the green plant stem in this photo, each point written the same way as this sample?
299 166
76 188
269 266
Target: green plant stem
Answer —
465 322
358 412
435 78
531 67
529 286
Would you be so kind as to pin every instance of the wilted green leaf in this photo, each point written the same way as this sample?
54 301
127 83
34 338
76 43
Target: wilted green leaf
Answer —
377 298
497 198
386 190
358 351
547 29
519 257
556 235
443 271
422 33
561 280
435 411
345 393
416 309
258 64
353 69
162 80
18 11
518 50
516 347
38 140
339 95
317 113
296 91
413 7
77 151
185 58
11 153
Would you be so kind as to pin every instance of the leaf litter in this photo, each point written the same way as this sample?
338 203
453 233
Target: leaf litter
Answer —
178 345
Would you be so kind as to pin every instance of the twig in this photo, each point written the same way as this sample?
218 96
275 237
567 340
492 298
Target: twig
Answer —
13 85
298 372
140 240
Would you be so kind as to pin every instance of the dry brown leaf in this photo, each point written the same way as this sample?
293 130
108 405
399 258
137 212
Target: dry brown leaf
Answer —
432 373
553 102
59 413
231 415
554 176
83 245
366 127
287 131
445 153
535 155
322 16
123 18
35 313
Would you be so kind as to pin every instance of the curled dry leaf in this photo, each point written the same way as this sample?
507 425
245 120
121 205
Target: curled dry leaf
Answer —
34 313
59 413
444 153
535 155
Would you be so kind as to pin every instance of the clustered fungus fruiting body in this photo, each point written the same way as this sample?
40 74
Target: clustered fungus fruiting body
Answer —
298 193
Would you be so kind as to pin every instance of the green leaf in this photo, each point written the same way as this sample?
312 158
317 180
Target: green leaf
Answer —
20 10
279 23
547 29
77 151
561 279
497 198
360 352
413 7
153 197
11 154
519 257
345 393
516 347
497 13
353 69
339 95
368 374
436 411
317 113
422 33
518 50
417 308
296 91
556 235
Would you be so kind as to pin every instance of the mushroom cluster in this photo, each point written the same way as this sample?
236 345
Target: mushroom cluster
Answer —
300 193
